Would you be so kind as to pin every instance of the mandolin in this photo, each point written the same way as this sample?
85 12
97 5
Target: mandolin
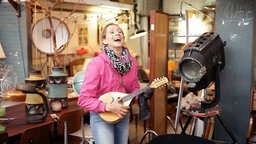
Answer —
126 98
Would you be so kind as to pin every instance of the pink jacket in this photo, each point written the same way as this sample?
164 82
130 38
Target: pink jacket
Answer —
100 79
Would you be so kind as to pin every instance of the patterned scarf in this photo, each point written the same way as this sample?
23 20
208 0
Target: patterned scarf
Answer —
122 64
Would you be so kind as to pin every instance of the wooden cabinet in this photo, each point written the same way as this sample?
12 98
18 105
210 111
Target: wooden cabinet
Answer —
253 99
158 67
251 135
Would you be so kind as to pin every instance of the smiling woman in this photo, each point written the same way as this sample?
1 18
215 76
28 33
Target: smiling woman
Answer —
113 70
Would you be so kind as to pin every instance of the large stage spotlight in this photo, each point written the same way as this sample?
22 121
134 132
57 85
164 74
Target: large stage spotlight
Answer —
200 65
202 59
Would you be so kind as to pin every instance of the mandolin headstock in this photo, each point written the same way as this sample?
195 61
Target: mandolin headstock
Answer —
159 82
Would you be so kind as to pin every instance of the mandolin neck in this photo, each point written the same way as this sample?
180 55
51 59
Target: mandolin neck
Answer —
132 95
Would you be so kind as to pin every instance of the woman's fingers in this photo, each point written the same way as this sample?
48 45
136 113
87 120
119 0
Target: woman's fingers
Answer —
120 109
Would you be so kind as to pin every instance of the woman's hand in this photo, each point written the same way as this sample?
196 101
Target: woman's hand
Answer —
118 108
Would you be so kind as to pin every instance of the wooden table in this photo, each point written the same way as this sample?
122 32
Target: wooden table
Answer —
17 126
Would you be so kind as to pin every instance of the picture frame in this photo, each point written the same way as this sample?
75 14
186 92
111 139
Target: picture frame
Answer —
82 34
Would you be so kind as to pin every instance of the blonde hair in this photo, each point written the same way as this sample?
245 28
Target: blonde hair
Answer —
104 31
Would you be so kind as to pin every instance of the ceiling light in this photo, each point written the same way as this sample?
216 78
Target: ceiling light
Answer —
138 33
210 4
181 15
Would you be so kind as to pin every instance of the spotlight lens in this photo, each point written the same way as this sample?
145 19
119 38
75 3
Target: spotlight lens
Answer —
191 70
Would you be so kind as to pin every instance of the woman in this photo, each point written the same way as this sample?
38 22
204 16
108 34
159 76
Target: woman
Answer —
113 70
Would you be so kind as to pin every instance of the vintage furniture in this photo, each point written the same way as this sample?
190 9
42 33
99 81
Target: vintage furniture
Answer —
251 135
86 131
134 110
71 122
3 138
148 136
158 67
38 134
76 66
19 124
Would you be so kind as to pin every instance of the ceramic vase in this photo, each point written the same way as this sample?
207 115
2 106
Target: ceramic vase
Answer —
57 88
34 103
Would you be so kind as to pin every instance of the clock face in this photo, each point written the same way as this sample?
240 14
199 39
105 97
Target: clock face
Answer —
42 36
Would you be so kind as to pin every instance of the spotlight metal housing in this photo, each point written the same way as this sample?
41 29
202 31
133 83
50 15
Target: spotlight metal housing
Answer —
199 63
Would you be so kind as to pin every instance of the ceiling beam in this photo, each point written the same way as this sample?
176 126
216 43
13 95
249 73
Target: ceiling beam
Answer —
85 6
118 5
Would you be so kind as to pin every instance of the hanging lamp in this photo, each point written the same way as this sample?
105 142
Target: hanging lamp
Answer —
210 4
181 16
138 32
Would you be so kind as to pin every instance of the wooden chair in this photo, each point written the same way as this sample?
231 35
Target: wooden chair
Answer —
70 123
38 135
76 66
148 136
86 131
3 137
134 110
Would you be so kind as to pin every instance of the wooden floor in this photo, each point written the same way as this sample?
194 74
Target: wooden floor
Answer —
135 134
